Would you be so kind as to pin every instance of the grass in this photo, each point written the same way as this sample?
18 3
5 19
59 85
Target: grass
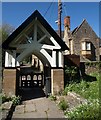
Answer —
87 111
89 91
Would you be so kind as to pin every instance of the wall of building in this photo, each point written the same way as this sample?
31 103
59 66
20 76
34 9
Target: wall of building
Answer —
90 67
85 31
100 53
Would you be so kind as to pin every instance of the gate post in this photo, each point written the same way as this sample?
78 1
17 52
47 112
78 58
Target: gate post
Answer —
48 86
9 81
57 80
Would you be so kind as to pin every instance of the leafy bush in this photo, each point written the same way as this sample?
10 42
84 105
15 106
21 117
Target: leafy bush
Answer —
63 105
16 100
71 71
85 111
4 98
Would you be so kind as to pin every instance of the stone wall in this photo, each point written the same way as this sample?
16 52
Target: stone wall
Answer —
57 80
9 81
91 67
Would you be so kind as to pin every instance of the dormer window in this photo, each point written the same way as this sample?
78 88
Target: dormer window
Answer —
83 45
86 49
86 45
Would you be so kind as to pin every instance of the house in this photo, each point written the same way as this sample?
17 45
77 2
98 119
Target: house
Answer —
82 41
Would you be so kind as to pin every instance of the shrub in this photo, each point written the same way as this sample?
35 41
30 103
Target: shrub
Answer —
16 100
4 98
63 105
71 71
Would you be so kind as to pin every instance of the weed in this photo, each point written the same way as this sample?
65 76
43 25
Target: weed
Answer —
63 105
53 98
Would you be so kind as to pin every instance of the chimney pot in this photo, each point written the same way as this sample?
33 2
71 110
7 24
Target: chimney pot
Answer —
67 22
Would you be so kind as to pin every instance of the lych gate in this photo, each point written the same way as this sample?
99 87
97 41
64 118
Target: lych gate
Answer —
33 37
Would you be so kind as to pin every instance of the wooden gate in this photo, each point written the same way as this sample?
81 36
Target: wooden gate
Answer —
31 80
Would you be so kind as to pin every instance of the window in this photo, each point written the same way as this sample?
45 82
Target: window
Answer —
85 30
86 45
83 46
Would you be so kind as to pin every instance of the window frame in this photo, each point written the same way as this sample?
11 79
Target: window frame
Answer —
86 46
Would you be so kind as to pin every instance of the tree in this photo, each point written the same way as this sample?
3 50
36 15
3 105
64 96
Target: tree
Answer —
5 31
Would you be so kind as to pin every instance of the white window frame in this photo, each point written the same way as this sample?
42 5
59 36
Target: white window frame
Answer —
88 46
83 45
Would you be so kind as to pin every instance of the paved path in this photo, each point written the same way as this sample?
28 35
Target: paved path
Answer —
38 108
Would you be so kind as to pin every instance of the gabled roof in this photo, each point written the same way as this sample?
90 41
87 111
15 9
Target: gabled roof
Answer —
74 30
45 24
77 28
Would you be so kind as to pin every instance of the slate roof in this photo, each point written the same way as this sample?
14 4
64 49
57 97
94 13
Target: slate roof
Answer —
77 28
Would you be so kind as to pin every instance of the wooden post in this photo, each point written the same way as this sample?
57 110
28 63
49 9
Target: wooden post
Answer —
59 17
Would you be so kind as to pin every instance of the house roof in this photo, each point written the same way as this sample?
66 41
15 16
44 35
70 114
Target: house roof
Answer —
77 28
45 24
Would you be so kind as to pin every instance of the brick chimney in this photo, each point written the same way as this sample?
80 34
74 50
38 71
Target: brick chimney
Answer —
67 33
67 22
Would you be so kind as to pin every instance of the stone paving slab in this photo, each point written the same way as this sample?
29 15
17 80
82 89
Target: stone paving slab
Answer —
19 109
6 108
38 108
